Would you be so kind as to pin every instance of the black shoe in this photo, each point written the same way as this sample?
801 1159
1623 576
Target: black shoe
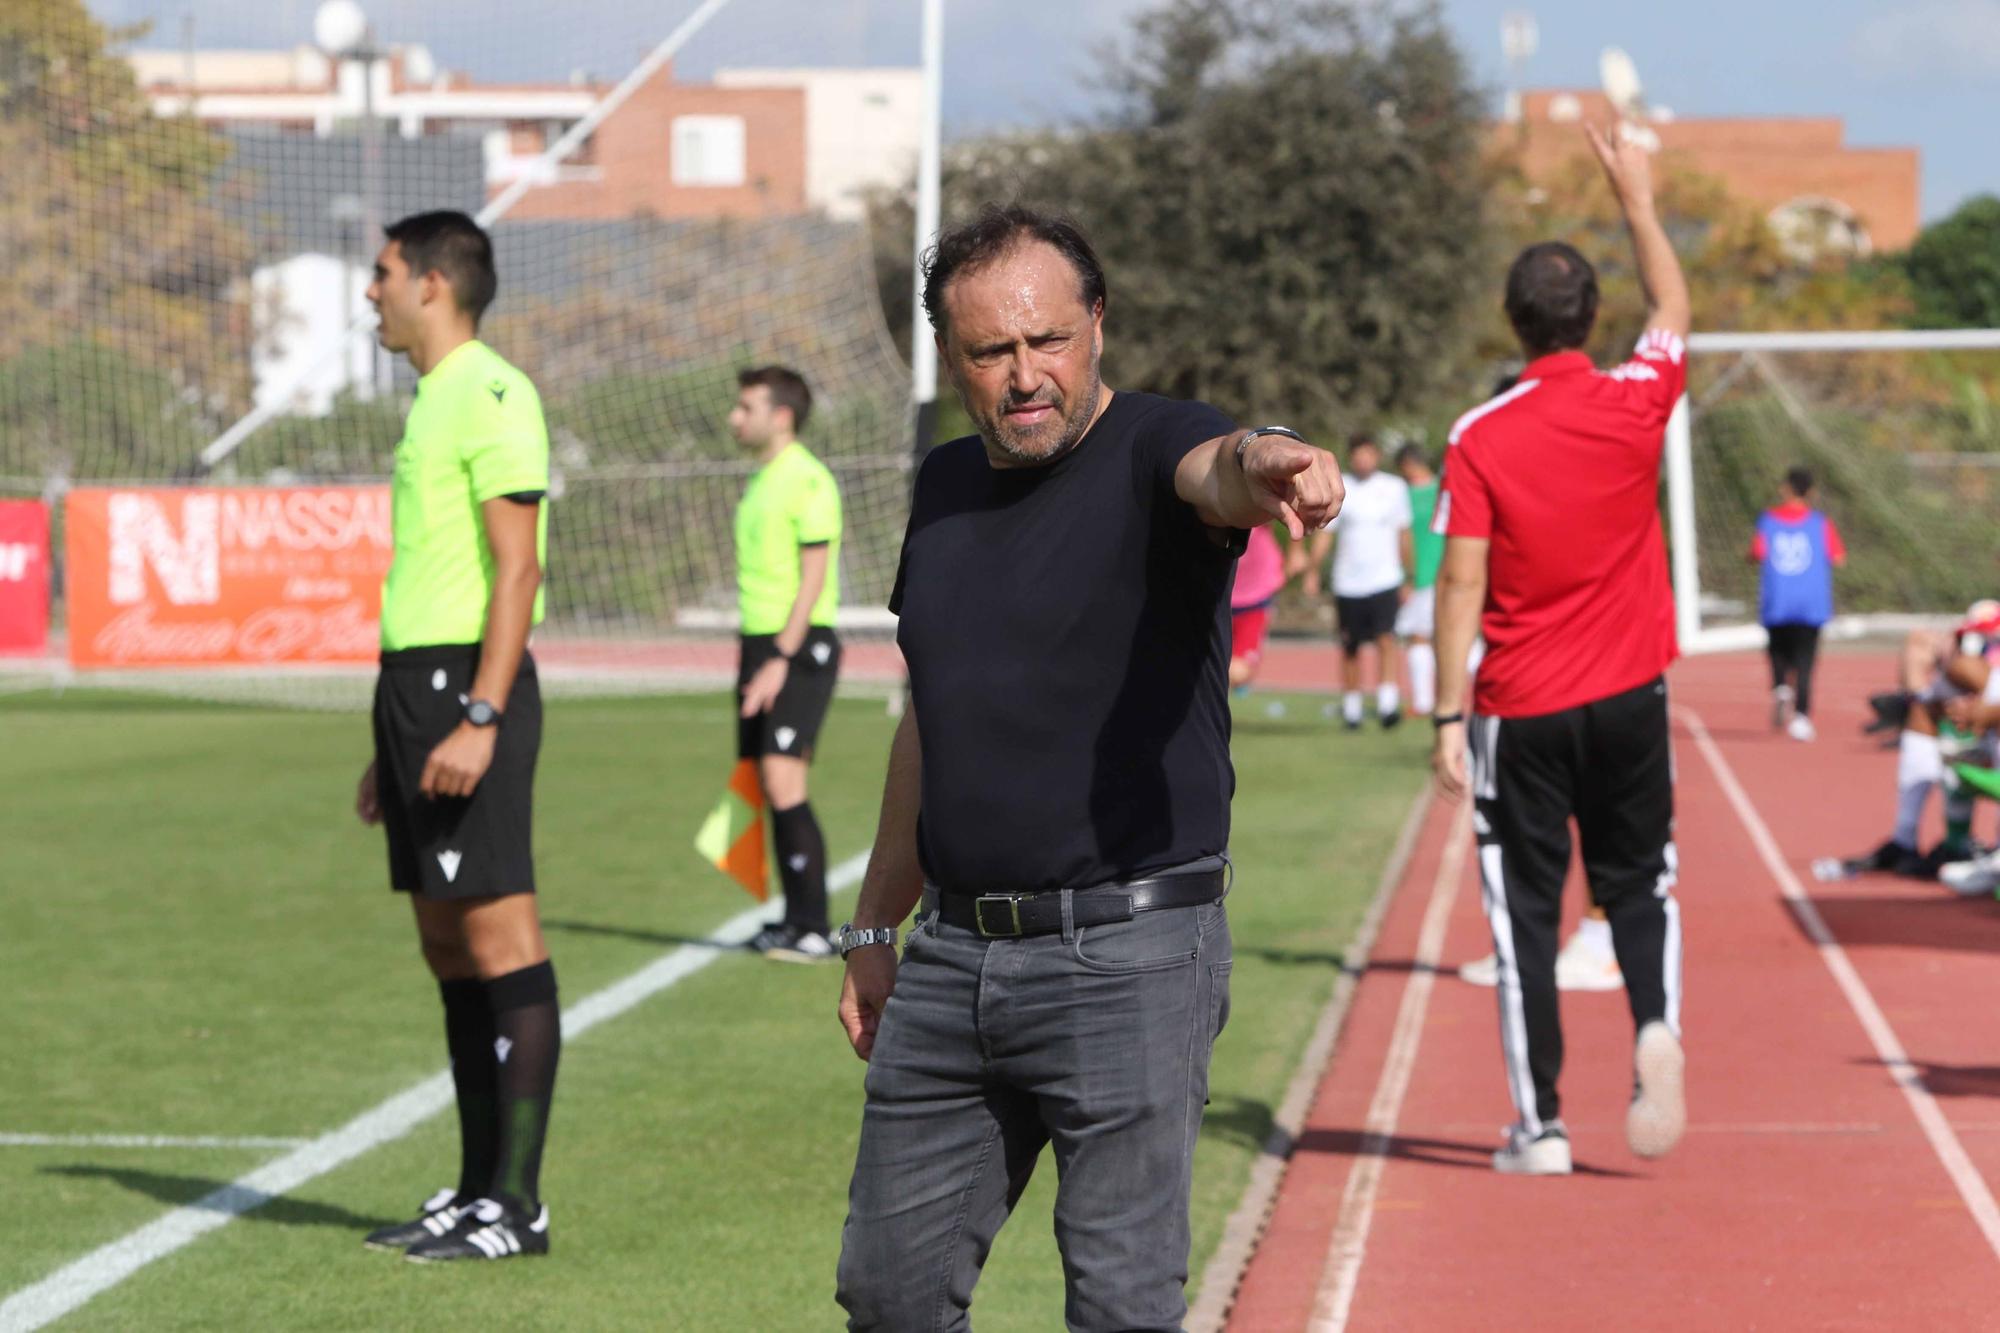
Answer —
1892 712
487 1229
793 944
439 1216
1391 719
1891 858
1951 849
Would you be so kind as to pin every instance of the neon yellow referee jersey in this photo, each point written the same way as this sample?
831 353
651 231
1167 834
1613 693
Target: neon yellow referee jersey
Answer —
791 502
474 434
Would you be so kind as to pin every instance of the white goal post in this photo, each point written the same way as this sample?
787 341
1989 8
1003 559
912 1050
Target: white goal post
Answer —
1863 408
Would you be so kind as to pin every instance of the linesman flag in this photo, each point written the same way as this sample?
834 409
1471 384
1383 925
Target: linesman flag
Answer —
732 837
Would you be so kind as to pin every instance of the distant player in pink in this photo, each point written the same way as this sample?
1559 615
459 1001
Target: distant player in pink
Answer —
1260 574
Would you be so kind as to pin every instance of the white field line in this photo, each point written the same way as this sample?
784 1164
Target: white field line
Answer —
1223 1274
1930 1118
70 1286
147 1141
1357 1204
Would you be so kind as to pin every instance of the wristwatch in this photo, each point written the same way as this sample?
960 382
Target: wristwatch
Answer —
847 939
481 714
1285 432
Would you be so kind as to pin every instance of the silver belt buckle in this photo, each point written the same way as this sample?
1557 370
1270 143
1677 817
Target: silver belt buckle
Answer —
1013 918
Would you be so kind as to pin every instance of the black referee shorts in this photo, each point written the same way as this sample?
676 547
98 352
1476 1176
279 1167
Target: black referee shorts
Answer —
792 726
475 846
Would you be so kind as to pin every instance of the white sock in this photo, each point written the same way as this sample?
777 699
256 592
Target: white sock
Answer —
1423 678
1388 698
1918 768
1350 706
1597 933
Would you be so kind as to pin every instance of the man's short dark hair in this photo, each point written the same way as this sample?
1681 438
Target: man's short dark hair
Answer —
1800 479
454 245
788 389
1412 453
1362 439
1552 298
997 230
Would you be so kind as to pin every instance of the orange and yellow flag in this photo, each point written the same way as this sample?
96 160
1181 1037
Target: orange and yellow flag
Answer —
732 837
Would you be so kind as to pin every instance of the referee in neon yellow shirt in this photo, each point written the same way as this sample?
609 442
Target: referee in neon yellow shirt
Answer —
458 725
788 585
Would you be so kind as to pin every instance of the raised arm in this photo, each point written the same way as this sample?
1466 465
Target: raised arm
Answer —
1233 484
1629 168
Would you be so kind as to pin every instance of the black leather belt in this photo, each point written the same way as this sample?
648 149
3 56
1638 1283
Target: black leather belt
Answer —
1007 916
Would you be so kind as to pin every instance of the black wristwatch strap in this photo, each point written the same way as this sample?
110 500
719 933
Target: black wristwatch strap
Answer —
1442 720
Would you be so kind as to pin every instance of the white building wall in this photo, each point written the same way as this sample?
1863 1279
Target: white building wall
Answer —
863 128
300 307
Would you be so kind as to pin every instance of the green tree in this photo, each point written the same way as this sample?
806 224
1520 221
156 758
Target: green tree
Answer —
1289 200
1954 268
108 239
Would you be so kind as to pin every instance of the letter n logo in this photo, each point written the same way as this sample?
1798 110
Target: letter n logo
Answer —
188 563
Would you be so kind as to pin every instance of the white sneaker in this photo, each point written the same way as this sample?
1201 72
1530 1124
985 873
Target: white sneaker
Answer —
1970 879
1586 965
1800 728
1546 1154
1658 1115
1481 971
1581 966
1781 706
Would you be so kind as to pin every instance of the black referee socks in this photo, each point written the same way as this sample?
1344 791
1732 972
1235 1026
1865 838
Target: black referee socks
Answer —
527 1028
468 1035
801 866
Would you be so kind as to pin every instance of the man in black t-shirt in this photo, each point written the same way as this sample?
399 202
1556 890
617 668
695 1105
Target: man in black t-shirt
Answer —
1058 798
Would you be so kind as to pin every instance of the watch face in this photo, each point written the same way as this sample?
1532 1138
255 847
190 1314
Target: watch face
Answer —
480 713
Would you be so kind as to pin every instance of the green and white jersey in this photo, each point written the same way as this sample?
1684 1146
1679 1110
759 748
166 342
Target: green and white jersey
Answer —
474 434
1428 546
791 502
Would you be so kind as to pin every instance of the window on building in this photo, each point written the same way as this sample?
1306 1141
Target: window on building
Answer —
708 150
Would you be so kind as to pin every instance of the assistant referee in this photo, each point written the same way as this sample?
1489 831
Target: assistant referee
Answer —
1554 552
458 723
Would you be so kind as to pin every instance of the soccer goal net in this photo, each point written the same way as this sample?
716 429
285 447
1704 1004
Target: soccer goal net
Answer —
1901 432
190 392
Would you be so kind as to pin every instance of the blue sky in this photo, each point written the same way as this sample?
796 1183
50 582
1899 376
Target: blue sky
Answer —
1924 73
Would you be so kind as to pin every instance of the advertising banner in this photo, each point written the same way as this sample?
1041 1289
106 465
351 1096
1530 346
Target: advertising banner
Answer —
24 578
197 577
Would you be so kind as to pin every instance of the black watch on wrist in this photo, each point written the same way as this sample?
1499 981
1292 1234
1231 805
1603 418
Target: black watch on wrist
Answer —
1443 720
481 714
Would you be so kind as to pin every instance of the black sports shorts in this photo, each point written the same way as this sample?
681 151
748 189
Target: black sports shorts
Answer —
792 725
475 846
1366 619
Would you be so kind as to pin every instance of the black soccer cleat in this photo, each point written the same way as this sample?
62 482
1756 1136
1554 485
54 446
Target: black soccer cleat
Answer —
440 1215
487 1229
1892 712
793 944
1391 719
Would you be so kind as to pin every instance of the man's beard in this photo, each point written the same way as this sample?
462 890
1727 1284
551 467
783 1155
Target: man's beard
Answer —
1041 444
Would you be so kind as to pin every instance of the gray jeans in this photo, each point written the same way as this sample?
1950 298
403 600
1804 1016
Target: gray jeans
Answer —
1096 1040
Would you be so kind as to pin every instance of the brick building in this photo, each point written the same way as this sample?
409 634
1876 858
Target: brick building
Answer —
1817 190
755 143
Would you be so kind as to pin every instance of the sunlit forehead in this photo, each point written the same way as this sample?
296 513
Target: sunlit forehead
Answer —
1027 296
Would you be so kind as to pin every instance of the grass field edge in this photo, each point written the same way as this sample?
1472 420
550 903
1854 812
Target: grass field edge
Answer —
76 1283
1222 1276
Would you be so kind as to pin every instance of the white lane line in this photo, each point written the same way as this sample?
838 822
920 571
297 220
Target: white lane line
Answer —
147 1141
1357 1204
70 1286
1930 1118
1223 1274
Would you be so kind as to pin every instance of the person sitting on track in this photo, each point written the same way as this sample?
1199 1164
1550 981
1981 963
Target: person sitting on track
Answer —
1937 668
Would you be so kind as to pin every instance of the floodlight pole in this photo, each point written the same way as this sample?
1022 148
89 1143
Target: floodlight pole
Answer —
923 348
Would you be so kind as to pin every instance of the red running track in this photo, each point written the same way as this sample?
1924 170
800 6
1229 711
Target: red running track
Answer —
1813 1189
